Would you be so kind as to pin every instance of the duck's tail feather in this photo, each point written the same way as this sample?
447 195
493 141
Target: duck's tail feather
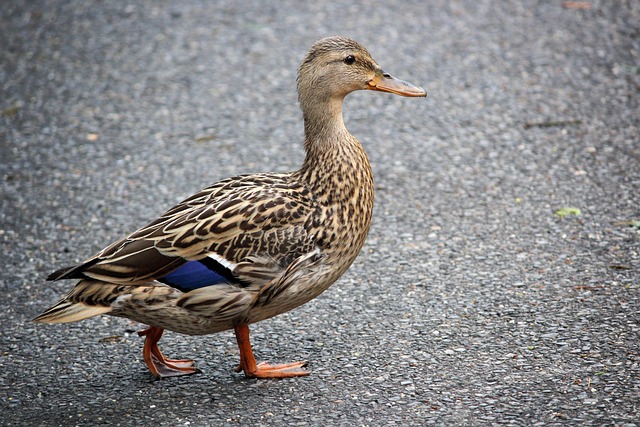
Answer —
68 311
87 299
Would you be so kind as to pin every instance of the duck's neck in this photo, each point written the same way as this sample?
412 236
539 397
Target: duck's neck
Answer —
322 120
336 167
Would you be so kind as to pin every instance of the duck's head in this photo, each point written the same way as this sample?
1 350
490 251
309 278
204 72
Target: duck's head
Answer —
337 66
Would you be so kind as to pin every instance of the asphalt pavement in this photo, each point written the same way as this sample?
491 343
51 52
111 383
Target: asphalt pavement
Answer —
500 283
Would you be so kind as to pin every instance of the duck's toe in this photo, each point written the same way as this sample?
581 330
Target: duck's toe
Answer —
285 370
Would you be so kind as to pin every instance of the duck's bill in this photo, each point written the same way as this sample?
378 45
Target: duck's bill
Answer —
387 83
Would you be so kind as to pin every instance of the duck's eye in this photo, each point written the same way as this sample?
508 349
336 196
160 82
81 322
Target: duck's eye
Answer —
349 59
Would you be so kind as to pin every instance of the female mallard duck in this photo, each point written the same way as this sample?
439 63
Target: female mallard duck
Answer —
250 247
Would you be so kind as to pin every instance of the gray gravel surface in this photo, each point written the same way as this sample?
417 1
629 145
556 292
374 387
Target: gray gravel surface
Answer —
472 302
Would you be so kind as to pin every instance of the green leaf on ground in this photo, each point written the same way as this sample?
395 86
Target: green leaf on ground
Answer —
562 212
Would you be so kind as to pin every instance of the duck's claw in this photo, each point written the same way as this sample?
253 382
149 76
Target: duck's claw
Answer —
286 370
263 369
159 365
171 368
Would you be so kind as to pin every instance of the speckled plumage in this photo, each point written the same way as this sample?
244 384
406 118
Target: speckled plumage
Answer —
266 242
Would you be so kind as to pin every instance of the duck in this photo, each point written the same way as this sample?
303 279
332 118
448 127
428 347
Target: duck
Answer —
250 247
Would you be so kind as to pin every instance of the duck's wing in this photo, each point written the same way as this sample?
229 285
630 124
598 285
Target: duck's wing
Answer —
245 230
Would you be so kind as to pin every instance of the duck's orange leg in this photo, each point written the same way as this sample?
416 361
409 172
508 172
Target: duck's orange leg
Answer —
159 365
263 370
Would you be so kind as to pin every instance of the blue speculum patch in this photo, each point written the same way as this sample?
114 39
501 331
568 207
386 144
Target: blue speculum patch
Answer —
193 275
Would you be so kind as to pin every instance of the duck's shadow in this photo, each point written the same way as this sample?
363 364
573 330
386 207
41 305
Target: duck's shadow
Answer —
119 398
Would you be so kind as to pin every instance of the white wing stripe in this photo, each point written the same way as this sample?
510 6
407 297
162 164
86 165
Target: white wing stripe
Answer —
222 261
